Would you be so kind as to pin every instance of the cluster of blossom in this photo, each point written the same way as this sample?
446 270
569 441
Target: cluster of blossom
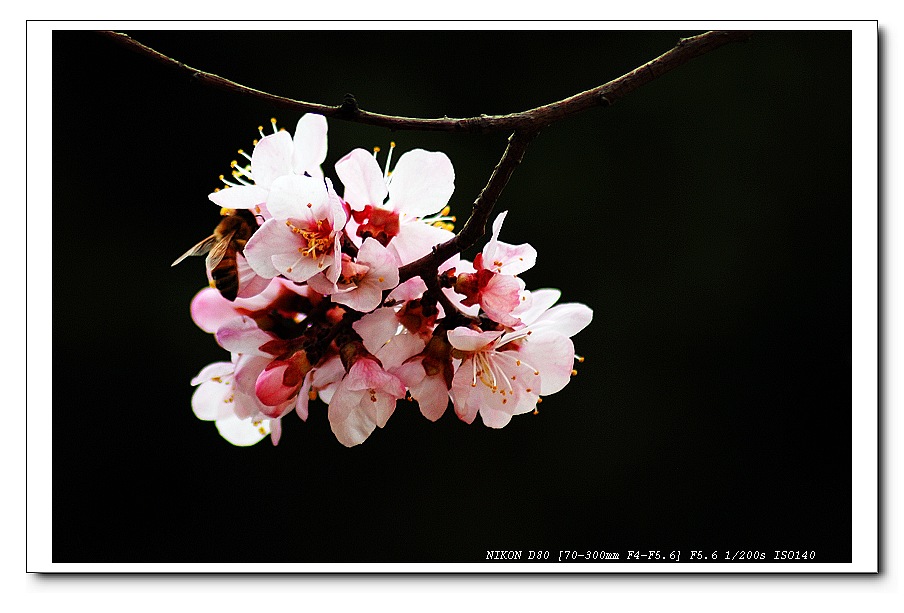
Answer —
305 294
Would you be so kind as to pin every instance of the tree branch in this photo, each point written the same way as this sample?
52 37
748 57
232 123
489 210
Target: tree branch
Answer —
524 127
532 119
480 212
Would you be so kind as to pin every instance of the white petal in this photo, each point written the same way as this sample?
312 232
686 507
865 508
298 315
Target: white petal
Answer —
214 371
310 144
210 400
422 183
553 357
349 422
242 432
540 302
416 239
242 335
398 349
377 328
242 197
270 239
566 319
272 158
290 195
466 339
362 178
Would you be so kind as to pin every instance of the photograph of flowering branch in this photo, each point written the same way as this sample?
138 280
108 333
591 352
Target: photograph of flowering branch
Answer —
430 296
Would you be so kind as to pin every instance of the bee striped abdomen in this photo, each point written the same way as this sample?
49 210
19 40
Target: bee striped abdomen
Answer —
226 275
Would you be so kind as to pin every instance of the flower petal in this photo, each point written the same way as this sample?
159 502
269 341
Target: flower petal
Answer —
362 178
241 197
242 335
243 432
553 356
209 310
466 339
349 423
416 239
270 239
272 158
422 183
310 144
566 319
290 195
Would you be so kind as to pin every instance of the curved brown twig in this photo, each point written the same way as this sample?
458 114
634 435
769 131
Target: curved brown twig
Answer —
532 119
524 126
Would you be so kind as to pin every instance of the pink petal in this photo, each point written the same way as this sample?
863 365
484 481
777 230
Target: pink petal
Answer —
348 421
465 406
409 290
500 297
432 397
242 197
310 144
362 178
466 339
416 239
320 284
250 283
362 298
295 266
242 335
422 183
290 195
511 259
272 158
209 310
553 357
565 319
275 431
493 418
270 389
398 349
304 397
271 238
377 328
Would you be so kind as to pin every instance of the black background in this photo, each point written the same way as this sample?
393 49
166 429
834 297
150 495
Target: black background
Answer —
705 218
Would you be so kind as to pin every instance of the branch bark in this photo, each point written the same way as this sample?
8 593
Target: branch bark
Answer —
533 119
524 126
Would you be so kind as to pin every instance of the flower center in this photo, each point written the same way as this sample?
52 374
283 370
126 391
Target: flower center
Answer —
316 241
352 272
381 224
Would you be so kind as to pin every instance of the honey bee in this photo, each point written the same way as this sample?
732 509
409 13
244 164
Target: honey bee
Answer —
222 247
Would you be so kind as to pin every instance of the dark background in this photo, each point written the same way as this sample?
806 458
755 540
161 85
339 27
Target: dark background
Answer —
705 218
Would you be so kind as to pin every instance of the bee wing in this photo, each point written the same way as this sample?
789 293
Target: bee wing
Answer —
218 250
200 249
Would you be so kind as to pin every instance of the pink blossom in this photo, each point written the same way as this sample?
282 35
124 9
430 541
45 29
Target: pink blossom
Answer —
419 186
276 155
428 376
364 400
361 284
302 238
503 373
493 284
221 398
